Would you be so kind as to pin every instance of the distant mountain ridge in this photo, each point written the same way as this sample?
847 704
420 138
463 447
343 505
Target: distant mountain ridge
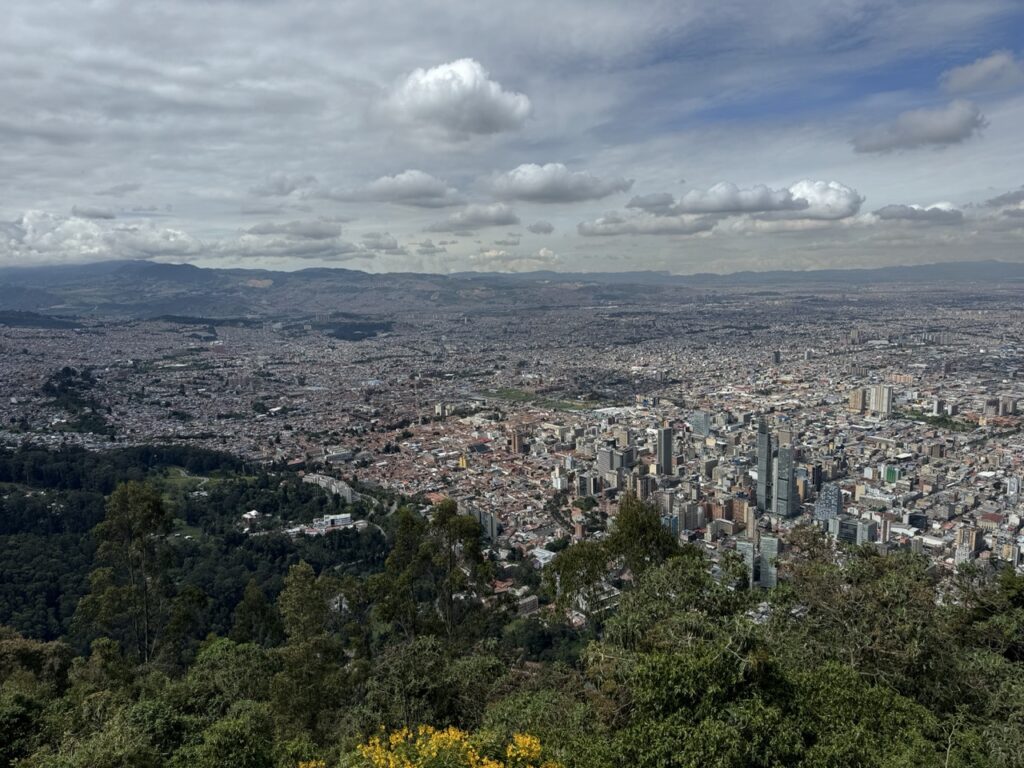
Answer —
153 289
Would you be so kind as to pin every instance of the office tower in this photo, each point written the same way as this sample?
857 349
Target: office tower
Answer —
666 459
969 537
784 500
605 459
750 523
747 550
764 466
776 357
770 548
700 421
830 503
866 531
520 443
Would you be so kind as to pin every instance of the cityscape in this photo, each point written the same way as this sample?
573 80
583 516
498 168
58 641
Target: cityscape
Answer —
576 384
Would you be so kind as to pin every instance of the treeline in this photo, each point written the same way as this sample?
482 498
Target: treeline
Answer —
856 659
74 468
47 519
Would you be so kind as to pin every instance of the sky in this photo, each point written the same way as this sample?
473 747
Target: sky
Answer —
686 136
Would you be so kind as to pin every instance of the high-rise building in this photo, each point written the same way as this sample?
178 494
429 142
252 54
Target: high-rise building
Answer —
747 551
830 502
856 402
866 531
770 548
666 458
881 399
700 421
784 499
765 449
520 442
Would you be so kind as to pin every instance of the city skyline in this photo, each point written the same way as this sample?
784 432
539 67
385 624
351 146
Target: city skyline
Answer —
670 137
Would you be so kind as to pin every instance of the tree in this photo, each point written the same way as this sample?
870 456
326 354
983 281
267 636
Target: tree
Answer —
128 596
311 679
638 537
256 620
577 573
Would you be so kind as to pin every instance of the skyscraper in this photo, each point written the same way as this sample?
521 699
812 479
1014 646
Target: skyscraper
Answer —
764 466
770 547
666 460
830 503
784 500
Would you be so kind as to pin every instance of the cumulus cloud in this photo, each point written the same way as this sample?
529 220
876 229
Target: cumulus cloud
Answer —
40 237
411 187
805 199
1008 198
286 246
645 224
119 190
383 242
284 184
555 183
825 200
90 212
938 127
311 230
475 216
657 203
428 248
935 214
995 72
507 243
498 260
726 197
541 228
459 98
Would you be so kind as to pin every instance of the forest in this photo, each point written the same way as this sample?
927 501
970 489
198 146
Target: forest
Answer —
143 626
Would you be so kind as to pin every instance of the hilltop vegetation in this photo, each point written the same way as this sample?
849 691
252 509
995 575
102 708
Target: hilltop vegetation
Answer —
261 650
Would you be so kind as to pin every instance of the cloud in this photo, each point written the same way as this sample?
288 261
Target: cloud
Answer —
89 212
806 199
541 228
381 241
726 197
935 214
411 187
311 230
283 184
119 190
459 98
497 260
1007 198
274 246
938 127
996 72
657 203
825 200
508 243
645 224
554 183
40 237
474 216
428 248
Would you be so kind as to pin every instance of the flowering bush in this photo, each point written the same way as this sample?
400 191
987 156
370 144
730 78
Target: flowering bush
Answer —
427 747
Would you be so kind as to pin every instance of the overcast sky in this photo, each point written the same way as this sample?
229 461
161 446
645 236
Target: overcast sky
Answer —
446 136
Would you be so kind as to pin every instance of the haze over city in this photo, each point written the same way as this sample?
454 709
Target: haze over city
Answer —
577 136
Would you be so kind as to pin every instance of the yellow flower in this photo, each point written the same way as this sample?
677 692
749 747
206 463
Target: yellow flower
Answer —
427 747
